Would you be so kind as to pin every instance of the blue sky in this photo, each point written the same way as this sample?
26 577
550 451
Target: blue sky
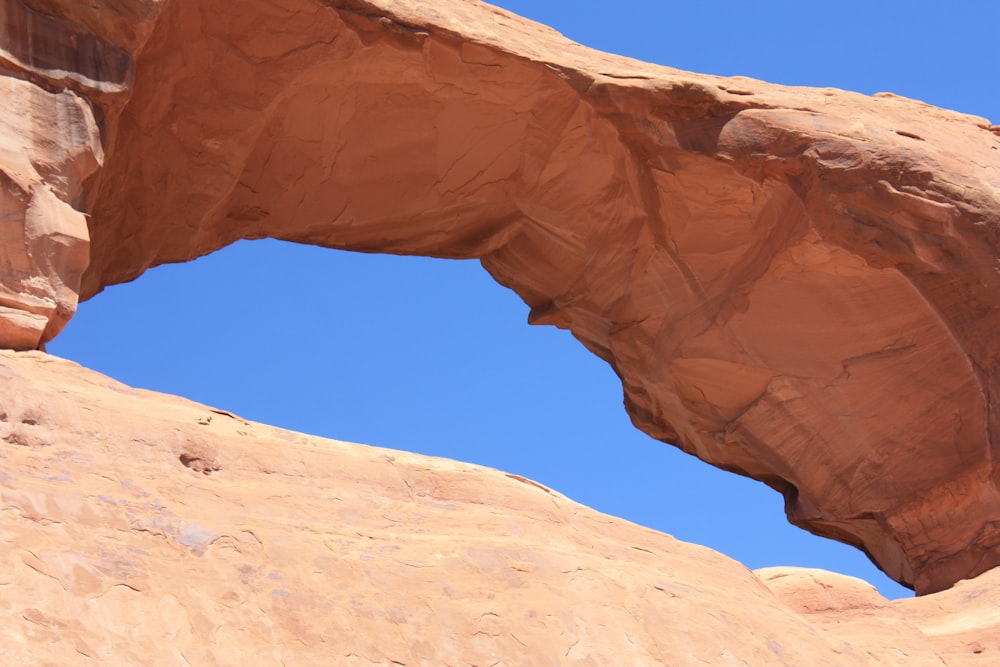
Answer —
432 356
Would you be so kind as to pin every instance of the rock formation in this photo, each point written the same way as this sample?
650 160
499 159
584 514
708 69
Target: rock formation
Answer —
140 528
798 285
65 73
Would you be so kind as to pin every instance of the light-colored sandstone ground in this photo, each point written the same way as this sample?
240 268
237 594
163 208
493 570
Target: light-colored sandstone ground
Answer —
140 528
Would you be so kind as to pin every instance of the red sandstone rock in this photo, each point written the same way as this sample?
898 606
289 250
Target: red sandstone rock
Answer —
799 285
140 528
49 143
960 626
65 72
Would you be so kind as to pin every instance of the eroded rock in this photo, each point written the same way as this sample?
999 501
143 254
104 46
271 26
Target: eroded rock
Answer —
301 550
796 284
49 144
66 69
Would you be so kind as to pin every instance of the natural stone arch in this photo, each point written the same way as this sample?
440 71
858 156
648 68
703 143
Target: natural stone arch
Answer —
772 272
335 352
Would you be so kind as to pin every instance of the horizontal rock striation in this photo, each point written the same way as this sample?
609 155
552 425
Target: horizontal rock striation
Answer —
799 285
66 70
140 528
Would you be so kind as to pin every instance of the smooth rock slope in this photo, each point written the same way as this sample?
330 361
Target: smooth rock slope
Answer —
798 285
140 528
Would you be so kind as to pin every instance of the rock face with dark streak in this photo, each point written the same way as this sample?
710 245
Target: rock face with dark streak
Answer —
798 285
66 70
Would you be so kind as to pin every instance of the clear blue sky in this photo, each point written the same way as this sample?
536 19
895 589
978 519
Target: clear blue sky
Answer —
432 356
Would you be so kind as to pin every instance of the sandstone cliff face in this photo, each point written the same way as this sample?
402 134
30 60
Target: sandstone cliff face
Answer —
140 528
798 285
65 71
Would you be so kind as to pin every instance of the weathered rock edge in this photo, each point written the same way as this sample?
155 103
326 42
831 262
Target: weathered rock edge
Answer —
798 285
141 528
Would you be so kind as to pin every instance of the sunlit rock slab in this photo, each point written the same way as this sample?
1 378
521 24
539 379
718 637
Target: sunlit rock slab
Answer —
141 528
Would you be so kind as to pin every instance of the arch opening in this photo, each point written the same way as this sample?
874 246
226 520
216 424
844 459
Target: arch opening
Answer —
431 356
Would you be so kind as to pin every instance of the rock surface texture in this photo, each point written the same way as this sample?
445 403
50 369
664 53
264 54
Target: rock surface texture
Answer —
139 528
65 72
799 285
